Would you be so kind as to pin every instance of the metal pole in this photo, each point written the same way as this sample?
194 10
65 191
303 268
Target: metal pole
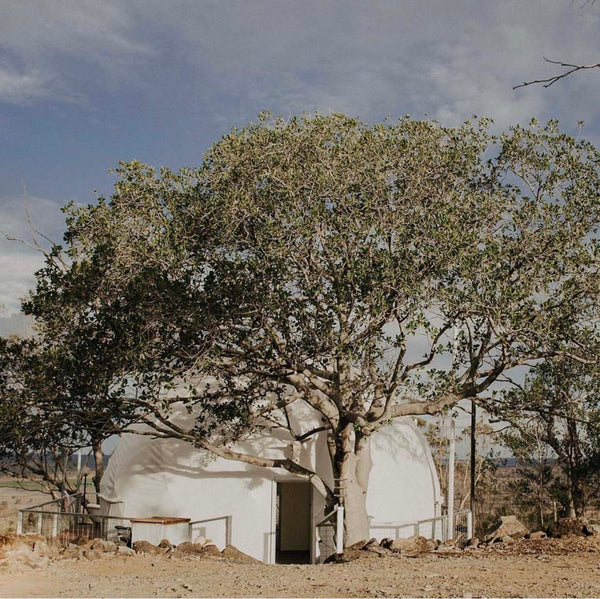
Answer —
451 452
228 530
469 525
84 492
339 533
473 455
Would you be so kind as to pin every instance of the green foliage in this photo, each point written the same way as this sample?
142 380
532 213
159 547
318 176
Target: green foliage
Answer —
310 259
556 436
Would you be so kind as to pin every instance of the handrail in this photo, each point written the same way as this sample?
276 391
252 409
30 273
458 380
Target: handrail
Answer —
57 500
338 510
228 526
418 524
327 516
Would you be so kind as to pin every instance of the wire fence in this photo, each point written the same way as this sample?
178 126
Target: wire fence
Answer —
71 526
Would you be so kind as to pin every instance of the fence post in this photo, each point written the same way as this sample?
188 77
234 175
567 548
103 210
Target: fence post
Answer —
55 525
20 523
39 523
228 530
339 533
469 525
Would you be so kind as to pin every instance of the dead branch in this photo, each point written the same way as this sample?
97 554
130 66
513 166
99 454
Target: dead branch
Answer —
572 68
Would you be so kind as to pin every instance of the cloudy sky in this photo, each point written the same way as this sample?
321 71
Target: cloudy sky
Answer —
84 84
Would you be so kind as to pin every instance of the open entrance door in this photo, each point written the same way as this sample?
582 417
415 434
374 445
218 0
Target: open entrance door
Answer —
293 520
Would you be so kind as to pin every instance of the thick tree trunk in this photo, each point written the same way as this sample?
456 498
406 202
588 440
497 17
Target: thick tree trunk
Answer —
353 467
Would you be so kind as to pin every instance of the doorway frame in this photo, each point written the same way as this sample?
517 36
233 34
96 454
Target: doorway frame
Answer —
311 537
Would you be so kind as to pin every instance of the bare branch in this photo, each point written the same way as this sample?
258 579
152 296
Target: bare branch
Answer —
571 68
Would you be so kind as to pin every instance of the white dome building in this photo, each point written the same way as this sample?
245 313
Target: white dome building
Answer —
272 513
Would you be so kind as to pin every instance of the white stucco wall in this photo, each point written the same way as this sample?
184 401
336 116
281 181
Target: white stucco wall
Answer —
163 477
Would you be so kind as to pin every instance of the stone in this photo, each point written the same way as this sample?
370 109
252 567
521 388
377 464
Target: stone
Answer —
91 554
233 553
198 549
146 547
23 557
166 544
98 545
570 526
472 542
211 550
386 542
412 545
358 545
538 534
124 550
375 548
72 551
508 526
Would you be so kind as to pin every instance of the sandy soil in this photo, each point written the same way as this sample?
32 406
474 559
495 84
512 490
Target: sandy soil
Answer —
556 568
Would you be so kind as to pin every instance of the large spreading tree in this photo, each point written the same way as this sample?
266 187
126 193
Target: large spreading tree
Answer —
369 271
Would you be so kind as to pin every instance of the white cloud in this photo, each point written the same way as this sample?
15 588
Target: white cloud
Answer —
446 59
44 42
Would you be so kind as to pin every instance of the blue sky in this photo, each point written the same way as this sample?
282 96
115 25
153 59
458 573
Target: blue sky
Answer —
84 84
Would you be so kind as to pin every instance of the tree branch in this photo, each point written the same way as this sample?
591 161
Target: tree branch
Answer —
572 68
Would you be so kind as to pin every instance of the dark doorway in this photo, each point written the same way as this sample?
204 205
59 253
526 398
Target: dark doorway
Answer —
293 523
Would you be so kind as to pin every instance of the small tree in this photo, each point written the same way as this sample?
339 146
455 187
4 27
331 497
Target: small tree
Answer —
310 260
557 408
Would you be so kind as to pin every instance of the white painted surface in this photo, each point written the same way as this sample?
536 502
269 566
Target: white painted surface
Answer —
165 477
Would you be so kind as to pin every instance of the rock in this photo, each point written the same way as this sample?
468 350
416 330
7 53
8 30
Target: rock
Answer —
508 526
198 549
233 553
594 528
357 545
433 544
412 545
370 543
23 557
25 551
91 554
349 555
211 550
375 548
166 544
146 547
190 548
570 526
71 551
386 542
472 542
98 545
124 550
538 534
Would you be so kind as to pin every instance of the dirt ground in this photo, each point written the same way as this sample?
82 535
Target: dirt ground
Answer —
551 568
